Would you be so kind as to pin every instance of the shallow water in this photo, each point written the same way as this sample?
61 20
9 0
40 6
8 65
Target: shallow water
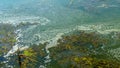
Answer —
59 16
48 19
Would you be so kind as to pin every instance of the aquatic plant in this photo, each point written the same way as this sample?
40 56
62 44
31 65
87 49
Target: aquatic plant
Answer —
81 50
26 58
7 37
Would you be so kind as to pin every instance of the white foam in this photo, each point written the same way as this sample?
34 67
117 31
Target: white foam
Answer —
52 43
13 50
99 28
41 66
115 53
108 31
106 6
89 27
16 20
23 48
16 46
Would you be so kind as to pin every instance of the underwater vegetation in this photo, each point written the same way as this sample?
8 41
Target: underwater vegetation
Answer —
82 50
90 34
78 49
7 37
7 40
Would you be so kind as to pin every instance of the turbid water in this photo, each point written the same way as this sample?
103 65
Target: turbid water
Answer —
45 20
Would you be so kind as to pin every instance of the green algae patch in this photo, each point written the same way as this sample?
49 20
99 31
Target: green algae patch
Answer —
7 37
82 50
75 50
